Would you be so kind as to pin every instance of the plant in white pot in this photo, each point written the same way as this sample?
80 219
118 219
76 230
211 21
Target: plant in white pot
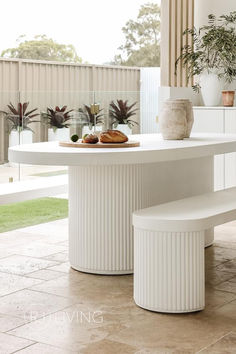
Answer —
120 113
94 117
58 123
19 120
212 57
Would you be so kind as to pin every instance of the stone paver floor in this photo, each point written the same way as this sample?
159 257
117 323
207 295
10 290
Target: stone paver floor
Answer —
47 307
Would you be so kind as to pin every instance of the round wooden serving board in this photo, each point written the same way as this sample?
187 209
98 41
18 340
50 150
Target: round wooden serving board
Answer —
78 144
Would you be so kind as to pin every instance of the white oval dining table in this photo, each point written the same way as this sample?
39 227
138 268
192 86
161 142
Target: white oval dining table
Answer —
107 185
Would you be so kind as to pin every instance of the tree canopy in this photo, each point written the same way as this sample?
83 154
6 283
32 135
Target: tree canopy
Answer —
142 38
42 48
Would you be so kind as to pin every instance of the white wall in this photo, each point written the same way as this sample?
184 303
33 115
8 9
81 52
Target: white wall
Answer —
203 8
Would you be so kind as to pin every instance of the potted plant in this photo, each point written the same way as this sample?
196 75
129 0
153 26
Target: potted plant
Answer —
92 118
58 122
212 57
19 120
120 113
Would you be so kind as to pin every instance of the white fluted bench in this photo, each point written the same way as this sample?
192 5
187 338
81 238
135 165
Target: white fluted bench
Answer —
169 250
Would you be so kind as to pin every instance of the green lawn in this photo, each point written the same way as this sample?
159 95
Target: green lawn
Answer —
32 212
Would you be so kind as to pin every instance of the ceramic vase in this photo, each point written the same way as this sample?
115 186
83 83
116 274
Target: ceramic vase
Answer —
173 121
187 105
124 128
211 87
62 134
20 137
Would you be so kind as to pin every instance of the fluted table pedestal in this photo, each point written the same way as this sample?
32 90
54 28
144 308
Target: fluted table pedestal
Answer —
102 199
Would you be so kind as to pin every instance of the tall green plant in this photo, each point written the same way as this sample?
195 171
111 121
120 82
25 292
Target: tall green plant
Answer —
214 48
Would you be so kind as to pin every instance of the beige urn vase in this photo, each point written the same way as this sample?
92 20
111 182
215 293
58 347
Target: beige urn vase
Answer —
187 104
173 121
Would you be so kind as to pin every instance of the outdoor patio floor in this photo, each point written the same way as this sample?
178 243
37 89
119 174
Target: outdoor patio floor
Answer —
46 307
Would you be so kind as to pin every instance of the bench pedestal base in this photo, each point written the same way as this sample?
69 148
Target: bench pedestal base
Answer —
169 271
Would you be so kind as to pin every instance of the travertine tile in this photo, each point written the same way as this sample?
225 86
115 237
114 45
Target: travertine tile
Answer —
107 347
225 345
214 277
69 329
215 256
87 313
227 286
233 279
90 288
171 334
45 274
10 344
10 283
58 257
28 304
40 348
215 298
9 322
4 252
63 267
21 265
17 237
227 312
64 243
229 267
64 286
36 249
57 228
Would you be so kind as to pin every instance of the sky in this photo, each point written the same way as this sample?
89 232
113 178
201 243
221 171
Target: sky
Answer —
93 27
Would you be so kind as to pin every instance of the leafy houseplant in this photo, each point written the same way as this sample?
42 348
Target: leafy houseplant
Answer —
57 118
18 118
120 113
91 117
213 54
58 122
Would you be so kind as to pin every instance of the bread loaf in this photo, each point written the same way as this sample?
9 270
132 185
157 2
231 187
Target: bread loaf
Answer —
113 136
90 139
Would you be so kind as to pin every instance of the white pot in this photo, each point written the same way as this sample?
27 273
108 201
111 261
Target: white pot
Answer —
23 137
62 134
124 128
211 87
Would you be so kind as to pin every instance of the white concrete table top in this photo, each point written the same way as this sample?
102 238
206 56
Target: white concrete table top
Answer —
152 149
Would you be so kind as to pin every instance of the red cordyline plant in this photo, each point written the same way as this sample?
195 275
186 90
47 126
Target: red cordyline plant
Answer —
121 112
57 118
18 118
